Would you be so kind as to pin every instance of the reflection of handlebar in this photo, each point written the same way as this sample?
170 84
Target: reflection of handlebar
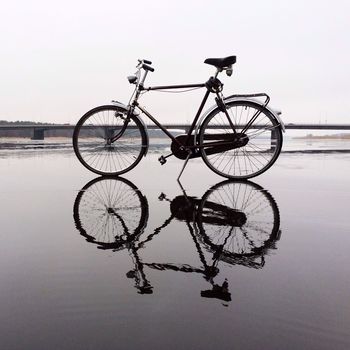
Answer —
218 292
144 61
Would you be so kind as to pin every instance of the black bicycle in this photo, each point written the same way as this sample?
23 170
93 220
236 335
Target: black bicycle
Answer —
239 137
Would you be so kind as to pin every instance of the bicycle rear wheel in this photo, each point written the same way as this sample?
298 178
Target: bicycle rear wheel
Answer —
92 146
261 146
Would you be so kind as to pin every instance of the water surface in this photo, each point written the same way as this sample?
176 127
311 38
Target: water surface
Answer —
136 262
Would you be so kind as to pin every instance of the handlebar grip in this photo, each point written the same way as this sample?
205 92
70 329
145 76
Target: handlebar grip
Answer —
146 67
144 61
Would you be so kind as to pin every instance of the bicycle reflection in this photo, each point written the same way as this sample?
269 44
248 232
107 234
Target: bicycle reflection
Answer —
236 222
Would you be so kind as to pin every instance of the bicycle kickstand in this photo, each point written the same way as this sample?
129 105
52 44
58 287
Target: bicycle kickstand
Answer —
183 168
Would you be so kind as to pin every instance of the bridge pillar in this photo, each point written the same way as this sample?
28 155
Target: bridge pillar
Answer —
273 139
109 132
38 134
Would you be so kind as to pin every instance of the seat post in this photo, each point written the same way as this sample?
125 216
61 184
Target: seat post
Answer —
218 70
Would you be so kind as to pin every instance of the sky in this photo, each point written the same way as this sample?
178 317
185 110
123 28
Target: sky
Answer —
61 58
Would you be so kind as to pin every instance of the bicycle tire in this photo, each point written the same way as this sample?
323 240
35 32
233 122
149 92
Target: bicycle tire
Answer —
110 212
253 158
244 240
90 141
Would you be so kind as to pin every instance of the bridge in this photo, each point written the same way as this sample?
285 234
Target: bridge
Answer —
38 131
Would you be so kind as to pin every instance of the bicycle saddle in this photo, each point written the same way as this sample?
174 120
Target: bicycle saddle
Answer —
221 62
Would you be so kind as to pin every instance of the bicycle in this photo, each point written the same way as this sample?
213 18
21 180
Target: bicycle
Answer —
237 222
238 138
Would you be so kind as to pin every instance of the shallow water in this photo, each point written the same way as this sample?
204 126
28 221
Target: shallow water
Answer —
136 262
292 141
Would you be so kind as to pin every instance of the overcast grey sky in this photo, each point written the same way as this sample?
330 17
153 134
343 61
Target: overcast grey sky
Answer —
61 58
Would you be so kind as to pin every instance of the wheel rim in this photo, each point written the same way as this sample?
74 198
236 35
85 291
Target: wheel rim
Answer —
94 149
261 151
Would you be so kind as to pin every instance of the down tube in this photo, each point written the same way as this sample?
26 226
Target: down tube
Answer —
155 121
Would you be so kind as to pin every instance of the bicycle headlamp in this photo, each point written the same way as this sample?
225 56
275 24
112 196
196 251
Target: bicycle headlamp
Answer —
132 79
229 70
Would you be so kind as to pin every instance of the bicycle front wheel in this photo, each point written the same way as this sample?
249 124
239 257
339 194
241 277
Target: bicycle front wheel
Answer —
93 146
257 148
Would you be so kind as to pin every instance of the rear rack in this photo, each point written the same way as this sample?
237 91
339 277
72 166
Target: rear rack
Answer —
267 97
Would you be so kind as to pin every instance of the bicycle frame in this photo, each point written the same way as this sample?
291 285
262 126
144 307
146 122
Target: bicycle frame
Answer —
194 122
213 85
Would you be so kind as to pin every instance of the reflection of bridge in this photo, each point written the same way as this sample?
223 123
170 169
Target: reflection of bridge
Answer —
38 131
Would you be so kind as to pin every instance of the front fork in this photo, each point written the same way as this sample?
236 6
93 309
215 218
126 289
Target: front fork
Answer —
126 119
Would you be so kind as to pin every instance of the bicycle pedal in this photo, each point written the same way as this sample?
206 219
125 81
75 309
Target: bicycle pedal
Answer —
162 160
162 196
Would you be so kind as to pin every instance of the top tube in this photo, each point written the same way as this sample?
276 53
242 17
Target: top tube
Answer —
168 87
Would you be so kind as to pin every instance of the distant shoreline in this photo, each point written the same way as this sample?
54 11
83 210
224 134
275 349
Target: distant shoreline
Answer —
345 137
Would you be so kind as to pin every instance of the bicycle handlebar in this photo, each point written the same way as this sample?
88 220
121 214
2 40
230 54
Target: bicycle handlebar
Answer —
145 65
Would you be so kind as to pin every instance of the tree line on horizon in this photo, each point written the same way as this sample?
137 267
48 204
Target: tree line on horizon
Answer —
22 122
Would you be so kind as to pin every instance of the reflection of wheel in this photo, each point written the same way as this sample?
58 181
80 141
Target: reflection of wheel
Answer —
259 146
239 219
110 212
97 152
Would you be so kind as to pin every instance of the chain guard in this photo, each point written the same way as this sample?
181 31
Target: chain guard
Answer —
229 142
179 151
